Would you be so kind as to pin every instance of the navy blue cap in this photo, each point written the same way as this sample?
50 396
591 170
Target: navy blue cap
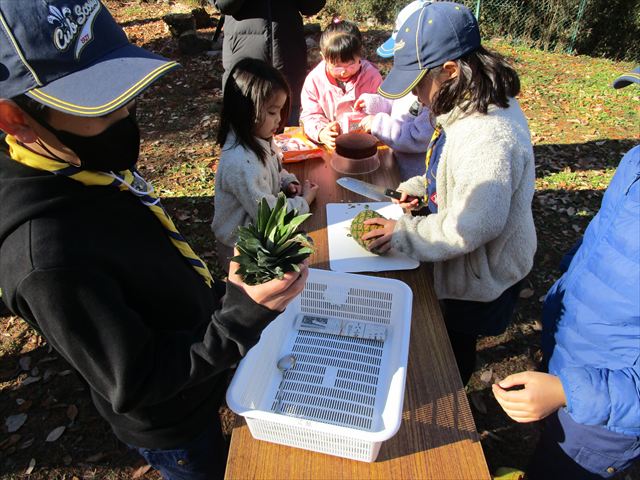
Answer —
431 36
72 56
627 79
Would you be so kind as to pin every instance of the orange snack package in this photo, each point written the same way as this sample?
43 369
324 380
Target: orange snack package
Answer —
295 146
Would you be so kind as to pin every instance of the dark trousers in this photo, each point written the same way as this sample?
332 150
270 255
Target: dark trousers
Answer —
570 450
203 458
466 320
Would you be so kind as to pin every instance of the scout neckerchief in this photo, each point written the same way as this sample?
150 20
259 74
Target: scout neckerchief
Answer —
124 180
427 161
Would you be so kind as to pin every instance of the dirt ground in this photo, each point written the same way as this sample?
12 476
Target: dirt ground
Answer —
178 118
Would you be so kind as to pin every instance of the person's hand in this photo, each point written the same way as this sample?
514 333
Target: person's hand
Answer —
328 134
408 202
359 105
382 236
366 123
309 191
542 395
293 189
274 294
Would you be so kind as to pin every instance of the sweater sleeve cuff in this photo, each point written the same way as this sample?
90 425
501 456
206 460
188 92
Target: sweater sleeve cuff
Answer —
286 179
414 186
399 238
374 103
378 127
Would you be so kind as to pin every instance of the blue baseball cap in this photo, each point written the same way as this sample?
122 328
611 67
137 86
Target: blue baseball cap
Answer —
386 49
431 36
627 79
72 56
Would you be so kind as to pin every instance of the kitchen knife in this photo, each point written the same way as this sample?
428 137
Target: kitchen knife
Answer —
371 191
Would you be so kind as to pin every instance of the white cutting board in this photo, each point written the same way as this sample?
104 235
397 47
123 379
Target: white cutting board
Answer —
345 255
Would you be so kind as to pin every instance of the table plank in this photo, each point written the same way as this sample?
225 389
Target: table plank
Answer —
437 438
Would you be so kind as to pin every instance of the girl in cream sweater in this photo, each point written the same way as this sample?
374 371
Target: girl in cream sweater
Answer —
481 239
255 106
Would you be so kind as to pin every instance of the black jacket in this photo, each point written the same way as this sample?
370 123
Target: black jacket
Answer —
269 30
94 271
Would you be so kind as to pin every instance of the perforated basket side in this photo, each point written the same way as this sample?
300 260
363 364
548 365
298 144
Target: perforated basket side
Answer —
261 361
342 301
308 439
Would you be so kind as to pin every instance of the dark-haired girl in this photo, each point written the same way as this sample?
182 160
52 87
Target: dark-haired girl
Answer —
481 238
255 107
334 85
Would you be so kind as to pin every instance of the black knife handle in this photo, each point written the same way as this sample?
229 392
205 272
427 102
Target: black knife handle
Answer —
396 194
393 193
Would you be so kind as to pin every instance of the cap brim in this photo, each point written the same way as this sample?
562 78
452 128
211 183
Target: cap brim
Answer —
386 49
626 79
400 82
105 86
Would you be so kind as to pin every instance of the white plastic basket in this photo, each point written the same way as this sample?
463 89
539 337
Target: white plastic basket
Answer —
344 396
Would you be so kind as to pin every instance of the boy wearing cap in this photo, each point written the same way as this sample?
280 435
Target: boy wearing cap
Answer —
403 124
89 257
590 399
481 239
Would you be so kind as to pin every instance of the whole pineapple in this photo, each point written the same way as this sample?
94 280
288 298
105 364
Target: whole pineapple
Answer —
358 228
272 246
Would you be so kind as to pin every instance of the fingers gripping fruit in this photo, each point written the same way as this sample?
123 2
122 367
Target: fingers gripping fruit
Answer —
358 228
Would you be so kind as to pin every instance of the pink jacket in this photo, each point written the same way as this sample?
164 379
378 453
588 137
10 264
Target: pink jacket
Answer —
323 101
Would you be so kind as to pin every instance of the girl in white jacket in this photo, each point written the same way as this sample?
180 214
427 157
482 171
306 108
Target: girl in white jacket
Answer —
255 107
482 238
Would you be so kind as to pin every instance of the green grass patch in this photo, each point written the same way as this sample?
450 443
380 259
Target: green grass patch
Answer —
579 180
569 99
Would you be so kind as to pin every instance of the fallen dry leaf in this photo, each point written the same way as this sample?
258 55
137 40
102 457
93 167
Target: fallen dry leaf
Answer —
26 444
95 458
55 434
12 440
72 412
14 422
526 293
29 381
25 363
486 376
32 465
141 471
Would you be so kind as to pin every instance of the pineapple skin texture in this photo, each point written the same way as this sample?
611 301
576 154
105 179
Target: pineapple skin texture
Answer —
358 228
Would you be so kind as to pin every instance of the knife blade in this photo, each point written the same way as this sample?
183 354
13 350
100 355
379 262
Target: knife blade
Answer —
371 191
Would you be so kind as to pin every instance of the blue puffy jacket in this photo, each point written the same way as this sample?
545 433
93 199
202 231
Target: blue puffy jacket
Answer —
591 315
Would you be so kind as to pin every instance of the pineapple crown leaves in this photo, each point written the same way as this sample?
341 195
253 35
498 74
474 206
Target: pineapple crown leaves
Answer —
271 246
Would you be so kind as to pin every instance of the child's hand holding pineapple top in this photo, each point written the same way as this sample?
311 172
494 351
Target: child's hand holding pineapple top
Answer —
275 294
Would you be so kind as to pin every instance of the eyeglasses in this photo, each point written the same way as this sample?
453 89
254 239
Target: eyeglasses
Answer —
349 69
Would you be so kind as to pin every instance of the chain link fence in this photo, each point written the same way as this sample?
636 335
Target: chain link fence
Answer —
608 28
547 24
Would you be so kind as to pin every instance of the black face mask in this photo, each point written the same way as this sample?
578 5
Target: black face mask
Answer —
115 149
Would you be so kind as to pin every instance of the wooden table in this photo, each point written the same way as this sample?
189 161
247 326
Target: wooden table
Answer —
437 438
